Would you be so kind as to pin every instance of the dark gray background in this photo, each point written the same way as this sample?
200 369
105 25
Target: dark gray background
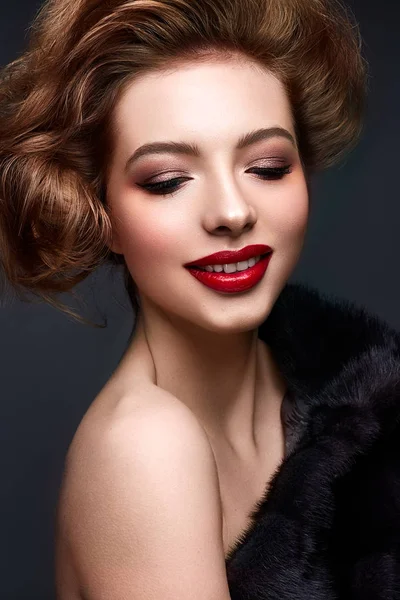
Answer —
52 368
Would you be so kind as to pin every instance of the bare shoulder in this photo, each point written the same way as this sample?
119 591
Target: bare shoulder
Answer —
144 419
140 503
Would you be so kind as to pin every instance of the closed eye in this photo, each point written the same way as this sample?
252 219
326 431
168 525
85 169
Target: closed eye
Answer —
171 185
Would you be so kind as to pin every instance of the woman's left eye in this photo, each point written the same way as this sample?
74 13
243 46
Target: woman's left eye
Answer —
271 173
168 186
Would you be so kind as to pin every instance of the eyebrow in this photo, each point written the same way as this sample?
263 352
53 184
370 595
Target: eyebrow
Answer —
193 150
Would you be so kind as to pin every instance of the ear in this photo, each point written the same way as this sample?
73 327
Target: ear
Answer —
114 245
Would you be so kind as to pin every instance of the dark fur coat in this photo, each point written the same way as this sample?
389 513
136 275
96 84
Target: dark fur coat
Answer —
328 526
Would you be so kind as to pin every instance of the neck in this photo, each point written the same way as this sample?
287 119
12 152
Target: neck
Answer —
230 382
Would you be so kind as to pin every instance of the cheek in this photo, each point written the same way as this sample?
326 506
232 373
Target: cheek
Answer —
290 212
295 221
288 225
148 237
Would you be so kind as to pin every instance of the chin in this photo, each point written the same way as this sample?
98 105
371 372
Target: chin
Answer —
238 319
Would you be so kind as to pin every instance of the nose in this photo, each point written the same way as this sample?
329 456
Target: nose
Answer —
228 212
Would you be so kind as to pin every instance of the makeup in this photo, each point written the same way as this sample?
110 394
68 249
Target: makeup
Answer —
232 272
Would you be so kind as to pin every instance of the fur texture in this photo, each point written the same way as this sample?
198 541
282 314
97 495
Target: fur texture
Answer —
328 526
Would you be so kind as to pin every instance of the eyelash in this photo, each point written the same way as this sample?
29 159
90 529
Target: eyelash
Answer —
274 173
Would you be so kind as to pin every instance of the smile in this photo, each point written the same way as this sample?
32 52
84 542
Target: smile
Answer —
232 277
232 267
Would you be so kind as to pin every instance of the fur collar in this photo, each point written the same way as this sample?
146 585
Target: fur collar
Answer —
307 539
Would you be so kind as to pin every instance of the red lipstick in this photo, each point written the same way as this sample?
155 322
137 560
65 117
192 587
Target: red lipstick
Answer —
239 281
227 257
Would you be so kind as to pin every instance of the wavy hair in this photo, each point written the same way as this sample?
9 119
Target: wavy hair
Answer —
57 101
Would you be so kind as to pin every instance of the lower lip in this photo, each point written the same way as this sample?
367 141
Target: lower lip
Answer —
241 281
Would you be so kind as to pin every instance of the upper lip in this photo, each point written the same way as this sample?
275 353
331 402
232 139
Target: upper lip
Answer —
230 256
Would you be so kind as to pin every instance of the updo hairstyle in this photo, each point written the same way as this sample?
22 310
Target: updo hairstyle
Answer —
57 101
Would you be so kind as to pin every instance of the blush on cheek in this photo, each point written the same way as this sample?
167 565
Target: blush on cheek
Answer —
293 216
145 250
289 223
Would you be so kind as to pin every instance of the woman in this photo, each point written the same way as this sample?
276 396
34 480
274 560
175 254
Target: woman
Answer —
247 444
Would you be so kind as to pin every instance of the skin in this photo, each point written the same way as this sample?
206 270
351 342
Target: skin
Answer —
202 345
195 351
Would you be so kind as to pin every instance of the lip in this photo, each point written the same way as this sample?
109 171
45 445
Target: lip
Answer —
226 257
232 283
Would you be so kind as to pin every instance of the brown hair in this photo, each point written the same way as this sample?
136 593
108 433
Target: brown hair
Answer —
57 100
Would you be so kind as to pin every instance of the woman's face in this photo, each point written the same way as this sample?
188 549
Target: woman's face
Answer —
224 201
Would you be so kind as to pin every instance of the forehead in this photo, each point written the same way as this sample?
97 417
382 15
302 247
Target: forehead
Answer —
209 100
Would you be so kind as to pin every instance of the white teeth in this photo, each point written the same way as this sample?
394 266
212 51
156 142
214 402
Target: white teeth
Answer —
244 264
232 267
